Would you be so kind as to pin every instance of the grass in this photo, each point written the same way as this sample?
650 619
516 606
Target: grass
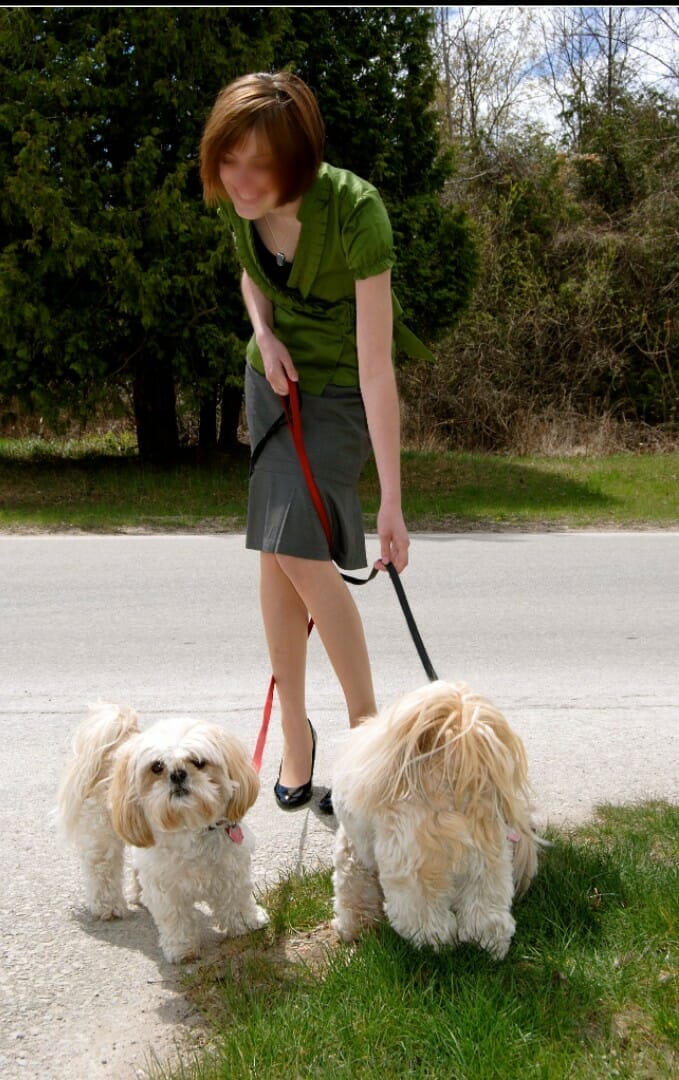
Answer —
588 989
99 485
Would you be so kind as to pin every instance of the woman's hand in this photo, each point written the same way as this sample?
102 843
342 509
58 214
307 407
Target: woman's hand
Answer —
393 536
278 365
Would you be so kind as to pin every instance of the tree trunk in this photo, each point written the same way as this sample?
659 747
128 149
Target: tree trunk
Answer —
155 411
232 399
207 422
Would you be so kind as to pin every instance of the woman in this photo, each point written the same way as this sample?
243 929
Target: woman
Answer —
316 250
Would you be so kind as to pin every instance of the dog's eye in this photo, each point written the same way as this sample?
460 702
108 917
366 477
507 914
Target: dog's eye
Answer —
157 767
199 763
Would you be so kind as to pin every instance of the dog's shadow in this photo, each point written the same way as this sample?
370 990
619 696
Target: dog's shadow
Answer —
576 888
137 932
567 905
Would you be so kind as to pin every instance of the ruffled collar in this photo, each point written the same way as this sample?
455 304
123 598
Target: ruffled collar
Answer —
313 214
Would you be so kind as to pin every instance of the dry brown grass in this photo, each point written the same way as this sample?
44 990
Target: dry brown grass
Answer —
493 420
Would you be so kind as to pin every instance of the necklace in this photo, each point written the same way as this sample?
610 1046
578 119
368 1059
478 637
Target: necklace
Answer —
280 256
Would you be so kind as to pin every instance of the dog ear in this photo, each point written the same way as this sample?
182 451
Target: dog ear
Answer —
524 861
127 815
490 764
244 776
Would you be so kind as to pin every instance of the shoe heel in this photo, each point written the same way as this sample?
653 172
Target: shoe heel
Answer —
290 798
325 805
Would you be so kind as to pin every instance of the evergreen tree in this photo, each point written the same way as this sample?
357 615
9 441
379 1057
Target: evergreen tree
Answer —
111 268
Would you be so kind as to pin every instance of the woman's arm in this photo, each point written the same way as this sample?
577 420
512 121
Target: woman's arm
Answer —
374 329
278 365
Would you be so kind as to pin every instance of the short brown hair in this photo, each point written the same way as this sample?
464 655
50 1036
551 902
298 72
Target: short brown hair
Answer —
284 110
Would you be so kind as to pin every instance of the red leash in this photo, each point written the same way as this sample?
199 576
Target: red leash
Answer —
292 412
264 729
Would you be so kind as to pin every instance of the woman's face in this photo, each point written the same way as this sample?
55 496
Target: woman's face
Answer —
247 173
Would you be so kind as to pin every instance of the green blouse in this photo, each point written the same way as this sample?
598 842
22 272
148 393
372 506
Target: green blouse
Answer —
346 236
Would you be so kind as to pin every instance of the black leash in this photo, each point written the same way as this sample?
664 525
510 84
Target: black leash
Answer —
414 632
405 608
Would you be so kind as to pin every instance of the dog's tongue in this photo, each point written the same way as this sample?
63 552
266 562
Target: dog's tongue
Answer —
236 833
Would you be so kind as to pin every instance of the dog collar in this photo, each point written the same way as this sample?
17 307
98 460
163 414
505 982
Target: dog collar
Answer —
231 828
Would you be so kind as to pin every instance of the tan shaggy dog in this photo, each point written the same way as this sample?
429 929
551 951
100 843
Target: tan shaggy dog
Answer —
435 821
172 798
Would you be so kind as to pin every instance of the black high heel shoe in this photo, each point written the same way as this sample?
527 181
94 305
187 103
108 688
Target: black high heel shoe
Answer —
289 798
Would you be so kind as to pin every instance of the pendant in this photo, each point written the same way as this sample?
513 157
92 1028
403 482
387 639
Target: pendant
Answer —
280 258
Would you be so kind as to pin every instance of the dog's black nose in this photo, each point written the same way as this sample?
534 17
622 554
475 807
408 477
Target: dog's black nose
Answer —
178 776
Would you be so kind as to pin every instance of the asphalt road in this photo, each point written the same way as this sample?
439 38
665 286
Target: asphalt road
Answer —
575 636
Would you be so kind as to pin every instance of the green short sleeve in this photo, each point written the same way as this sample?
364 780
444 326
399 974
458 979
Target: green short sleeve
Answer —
367 237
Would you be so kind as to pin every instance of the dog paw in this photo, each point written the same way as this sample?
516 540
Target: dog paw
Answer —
432 926
242 922
494 935
177 952
108 910
346 931
257 919
496 945
498 949
435 932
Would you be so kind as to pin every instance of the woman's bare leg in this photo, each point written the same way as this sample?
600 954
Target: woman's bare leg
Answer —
337 619
286 627
290 588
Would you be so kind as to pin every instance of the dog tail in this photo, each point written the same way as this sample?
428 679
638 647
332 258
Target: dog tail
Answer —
104 729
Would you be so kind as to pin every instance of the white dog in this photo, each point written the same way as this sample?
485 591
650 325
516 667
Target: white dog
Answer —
435 822
176 793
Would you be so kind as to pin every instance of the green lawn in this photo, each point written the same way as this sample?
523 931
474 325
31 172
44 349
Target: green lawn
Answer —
588 990
100 486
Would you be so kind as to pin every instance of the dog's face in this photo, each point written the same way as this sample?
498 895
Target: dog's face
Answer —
179 775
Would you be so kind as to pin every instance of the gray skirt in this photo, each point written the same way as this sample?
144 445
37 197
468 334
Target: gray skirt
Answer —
282 517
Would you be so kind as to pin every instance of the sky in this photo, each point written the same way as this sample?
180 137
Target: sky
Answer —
654 55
